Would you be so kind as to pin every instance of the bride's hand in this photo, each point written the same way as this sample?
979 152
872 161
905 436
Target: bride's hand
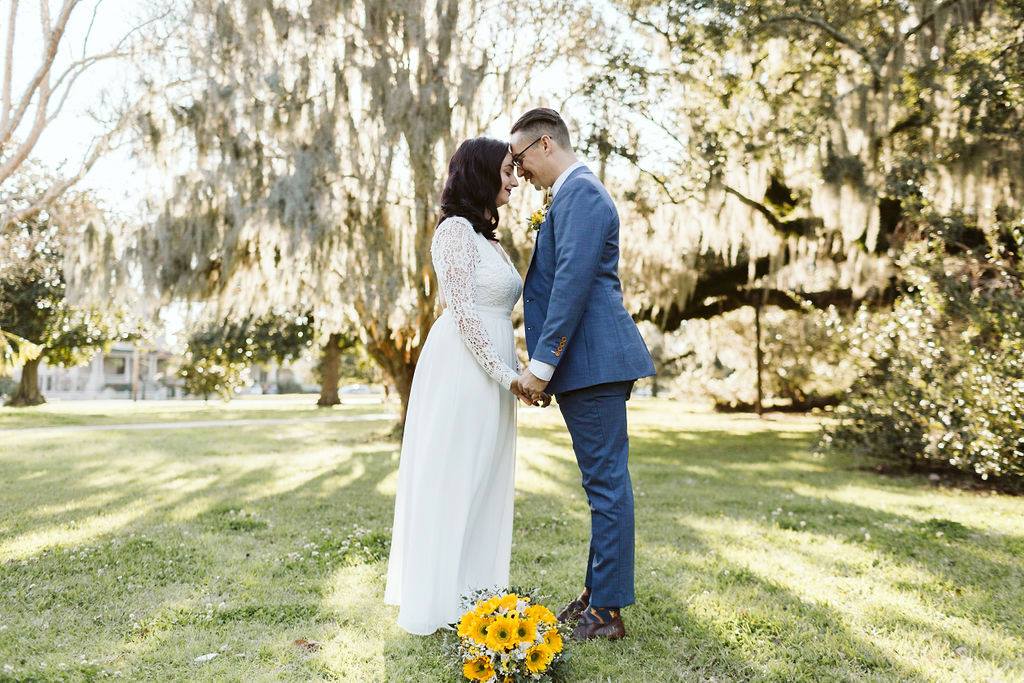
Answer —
517 391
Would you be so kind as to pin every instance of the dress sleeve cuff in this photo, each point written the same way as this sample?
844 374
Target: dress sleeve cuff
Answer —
542 371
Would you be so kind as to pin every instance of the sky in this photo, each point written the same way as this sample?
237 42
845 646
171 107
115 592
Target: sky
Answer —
66 140
118 179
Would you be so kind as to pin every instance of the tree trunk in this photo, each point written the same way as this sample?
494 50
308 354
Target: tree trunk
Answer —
759 404
329 370
28 393
802 406
403 382
136 356
398 366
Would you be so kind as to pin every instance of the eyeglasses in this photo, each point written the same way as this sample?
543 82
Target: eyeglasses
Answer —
517 159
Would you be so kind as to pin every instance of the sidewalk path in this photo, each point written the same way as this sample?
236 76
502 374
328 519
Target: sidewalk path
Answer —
192 424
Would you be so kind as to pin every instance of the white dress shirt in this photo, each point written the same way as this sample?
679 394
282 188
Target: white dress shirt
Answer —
544 371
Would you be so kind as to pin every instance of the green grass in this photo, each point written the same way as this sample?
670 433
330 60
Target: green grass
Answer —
134 553
71 413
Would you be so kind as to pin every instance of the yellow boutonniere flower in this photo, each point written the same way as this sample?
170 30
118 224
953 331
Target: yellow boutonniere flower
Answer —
537 217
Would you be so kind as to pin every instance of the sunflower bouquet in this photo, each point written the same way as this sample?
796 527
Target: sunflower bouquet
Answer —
508 637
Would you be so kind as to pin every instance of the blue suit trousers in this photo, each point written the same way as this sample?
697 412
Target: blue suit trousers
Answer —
596 419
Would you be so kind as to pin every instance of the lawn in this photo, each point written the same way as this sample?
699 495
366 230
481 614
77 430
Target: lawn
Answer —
131 554
73 413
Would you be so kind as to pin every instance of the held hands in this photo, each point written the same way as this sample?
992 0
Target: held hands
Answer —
530 390
539 399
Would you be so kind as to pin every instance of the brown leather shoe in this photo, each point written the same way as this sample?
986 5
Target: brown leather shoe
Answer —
593 626
574 609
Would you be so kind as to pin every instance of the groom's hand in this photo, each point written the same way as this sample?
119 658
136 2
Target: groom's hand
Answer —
532 386
543 400
518 392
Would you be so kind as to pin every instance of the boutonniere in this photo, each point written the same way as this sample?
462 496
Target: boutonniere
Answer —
537 217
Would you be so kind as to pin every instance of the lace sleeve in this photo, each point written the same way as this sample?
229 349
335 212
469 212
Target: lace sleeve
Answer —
455 256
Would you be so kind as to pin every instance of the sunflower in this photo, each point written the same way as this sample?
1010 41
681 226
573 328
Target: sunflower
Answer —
479 632
540 613
526 630
479 669
485 607
553 639
538 657
501 634
508 602
467 625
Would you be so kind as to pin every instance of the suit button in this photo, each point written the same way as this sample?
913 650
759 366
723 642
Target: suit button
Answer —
529 329
529 301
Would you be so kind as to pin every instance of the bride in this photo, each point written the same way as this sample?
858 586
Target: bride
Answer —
452 531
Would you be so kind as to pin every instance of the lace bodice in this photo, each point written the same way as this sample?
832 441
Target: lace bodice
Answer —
474 275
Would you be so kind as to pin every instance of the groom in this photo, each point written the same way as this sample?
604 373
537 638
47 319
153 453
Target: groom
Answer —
586 350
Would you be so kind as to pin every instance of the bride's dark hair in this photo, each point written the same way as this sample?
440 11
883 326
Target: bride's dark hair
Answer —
474 180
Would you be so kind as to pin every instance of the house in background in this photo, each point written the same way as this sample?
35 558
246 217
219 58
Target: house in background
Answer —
124 371
295 377
129 372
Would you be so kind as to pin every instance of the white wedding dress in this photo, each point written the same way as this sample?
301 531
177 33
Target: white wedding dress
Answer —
452 531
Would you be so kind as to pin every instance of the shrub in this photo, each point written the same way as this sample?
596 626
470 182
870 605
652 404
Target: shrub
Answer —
943 386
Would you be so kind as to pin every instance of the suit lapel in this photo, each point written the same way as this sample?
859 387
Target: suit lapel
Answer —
536 240
547 215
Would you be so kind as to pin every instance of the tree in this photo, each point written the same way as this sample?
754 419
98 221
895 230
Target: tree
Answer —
942 386
220 354
15 351
319 139
332 352
780 147
34 303
25 114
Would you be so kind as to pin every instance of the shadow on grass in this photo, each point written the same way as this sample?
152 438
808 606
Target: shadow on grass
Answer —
265 521
762 630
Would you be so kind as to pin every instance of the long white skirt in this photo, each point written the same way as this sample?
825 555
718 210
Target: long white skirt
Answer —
453 513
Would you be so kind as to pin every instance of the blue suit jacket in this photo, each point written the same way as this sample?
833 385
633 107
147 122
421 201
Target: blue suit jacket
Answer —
572 298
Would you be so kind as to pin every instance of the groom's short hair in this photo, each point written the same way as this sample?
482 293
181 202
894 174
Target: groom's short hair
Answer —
544 121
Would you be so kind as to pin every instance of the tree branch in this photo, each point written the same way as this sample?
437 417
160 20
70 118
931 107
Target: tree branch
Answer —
75 70
42 73
661 183
835 33
101 145
709 307
647 23
797 227
5 97
928 18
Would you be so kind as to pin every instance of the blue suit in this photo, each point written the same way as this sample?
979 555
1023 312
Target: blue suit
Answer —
576 321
